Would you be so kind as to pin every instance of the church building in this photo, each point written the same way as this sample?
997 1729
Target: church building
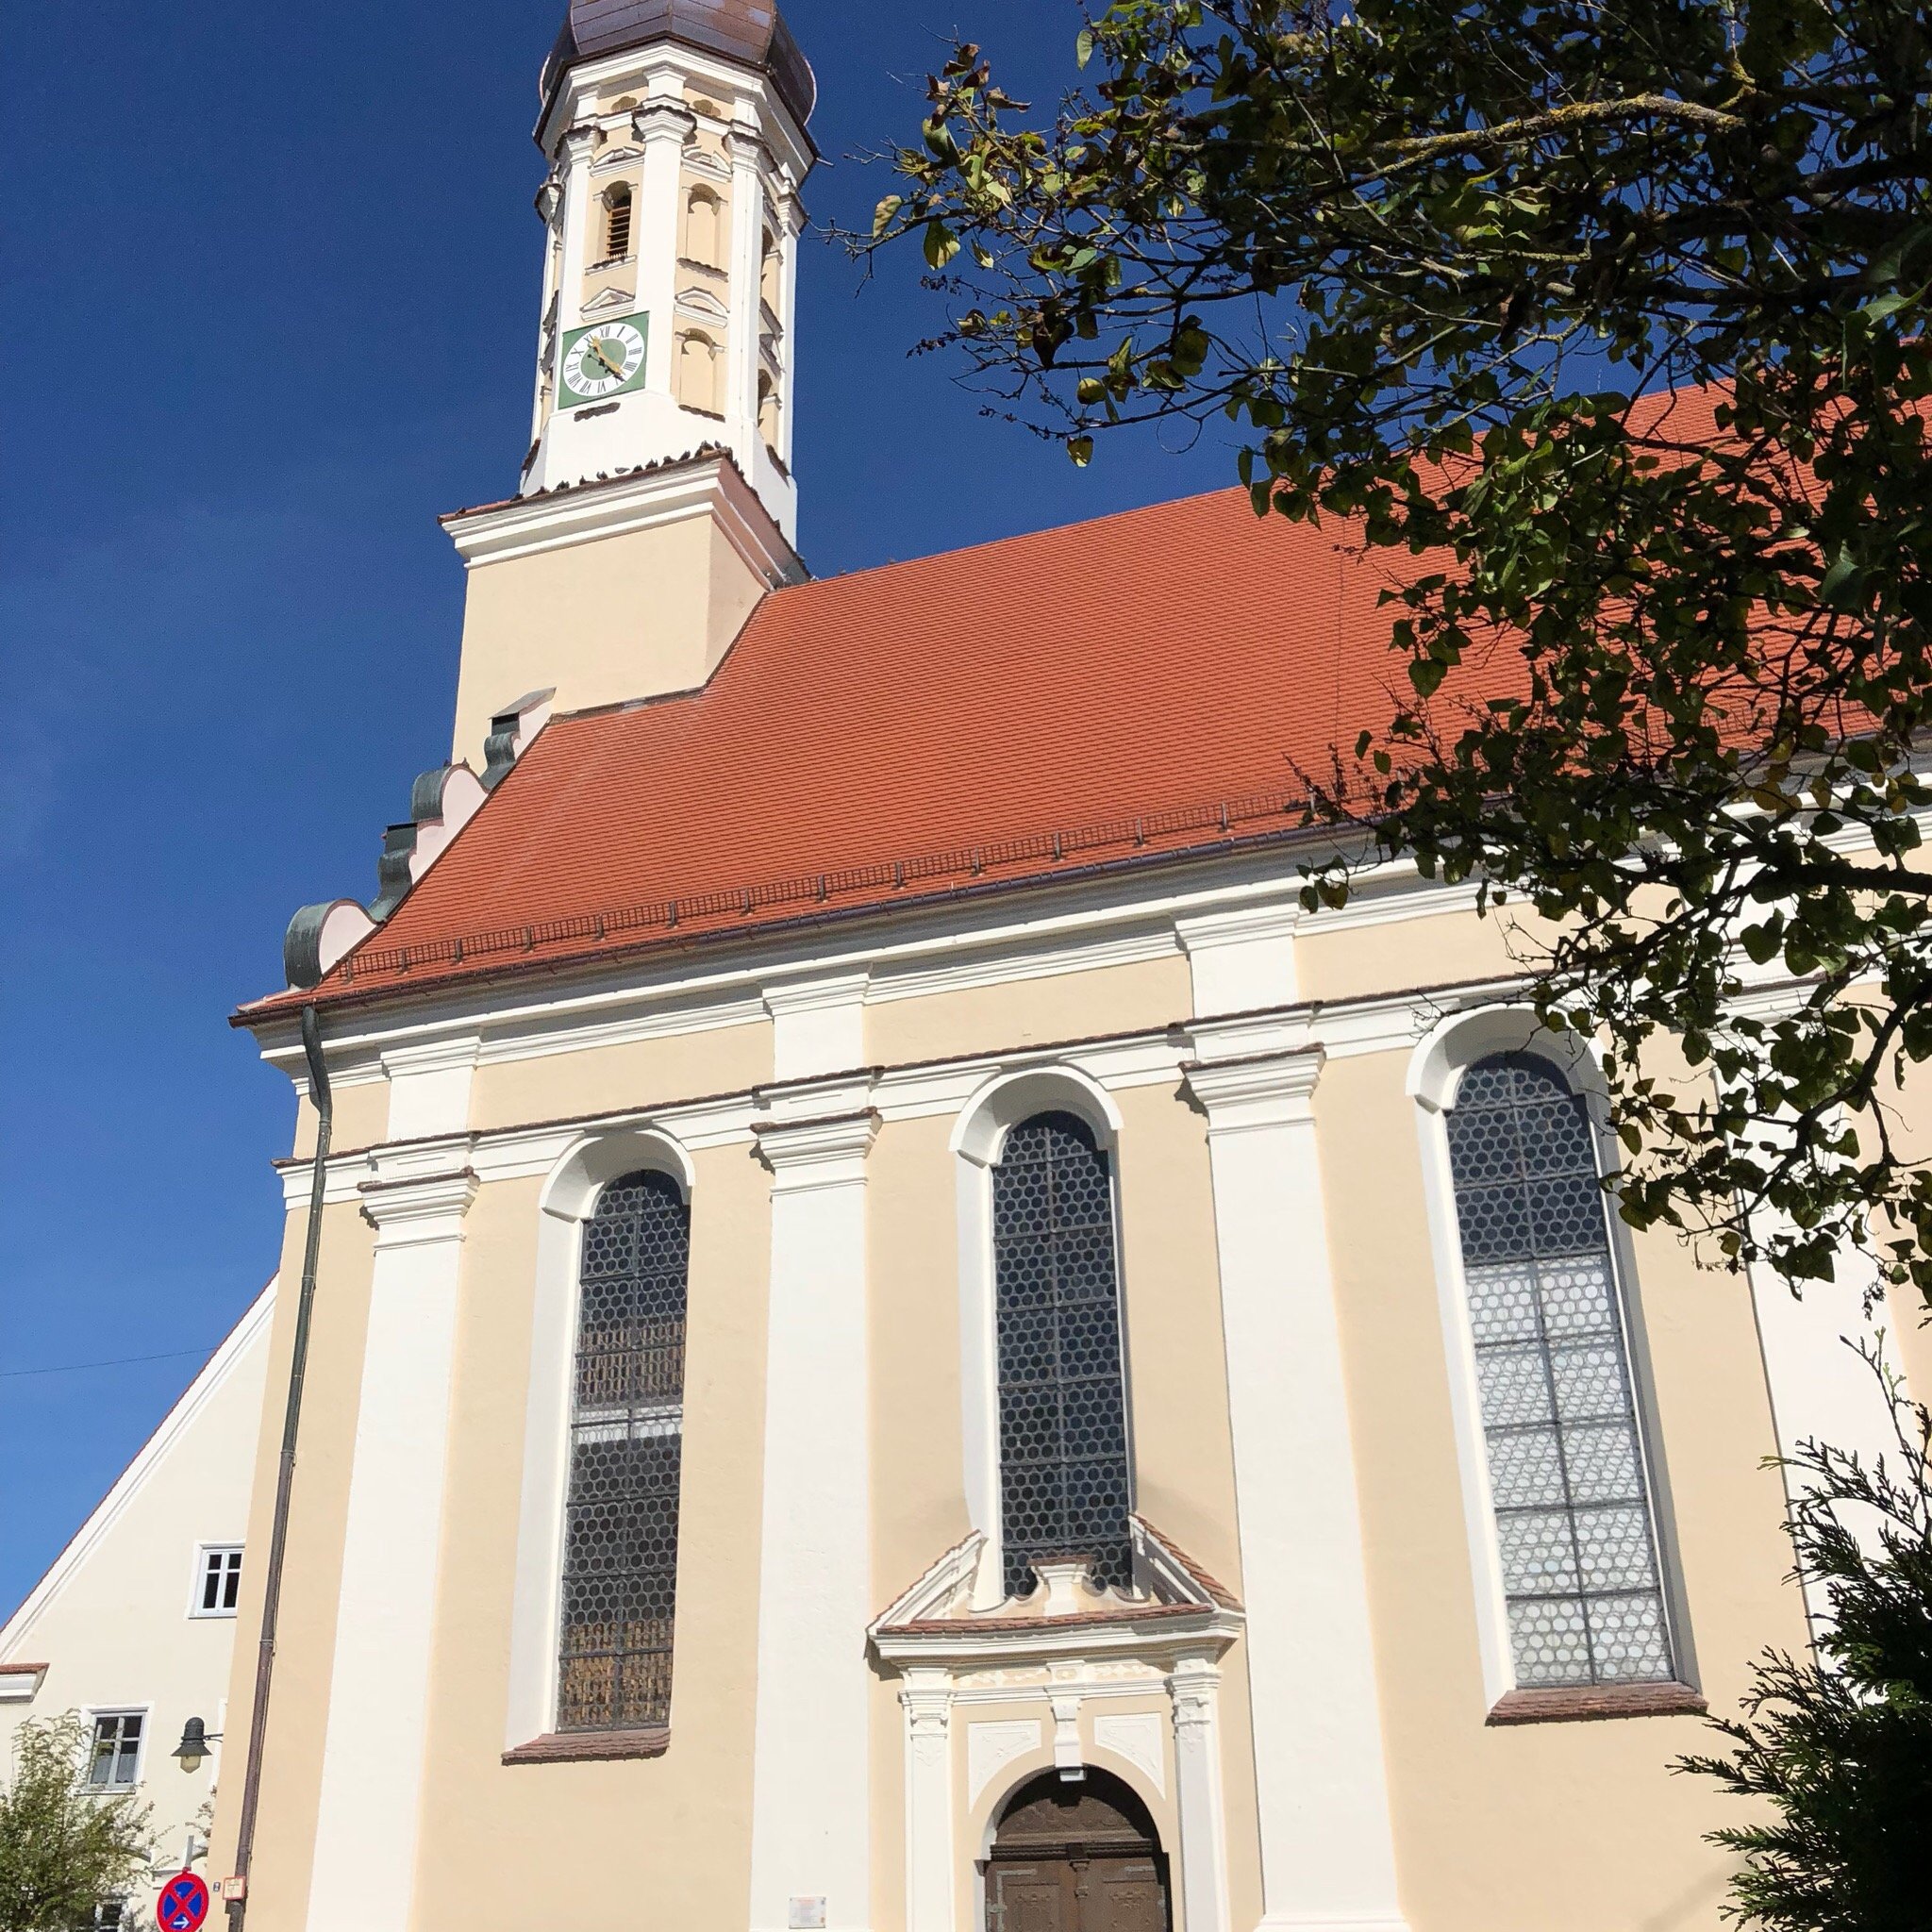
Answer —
899 1340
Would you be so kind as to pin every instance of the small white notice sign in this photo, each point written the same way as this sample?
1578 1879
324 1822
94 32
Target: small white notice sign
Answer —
807 1915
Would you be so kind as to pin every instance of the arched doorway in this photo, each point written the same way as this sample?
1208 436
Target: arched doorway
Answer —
1077 1855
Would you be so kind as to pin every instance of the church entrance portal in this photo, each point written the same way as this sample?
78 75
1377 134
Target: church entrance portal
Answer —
1077 1855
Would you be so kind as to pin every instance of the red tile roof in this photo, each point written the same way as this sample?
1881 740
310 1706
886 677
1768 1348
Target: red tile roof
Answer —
1142 684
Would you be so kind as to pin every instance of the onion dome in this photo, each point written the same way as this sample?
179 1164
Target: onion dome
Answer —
747 31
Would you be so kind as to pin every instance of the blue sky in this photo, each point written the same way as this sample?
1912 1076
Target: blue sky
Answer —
267 305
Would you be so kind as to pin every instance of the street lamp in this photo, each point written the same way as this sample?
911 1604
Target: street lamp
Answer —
193 1749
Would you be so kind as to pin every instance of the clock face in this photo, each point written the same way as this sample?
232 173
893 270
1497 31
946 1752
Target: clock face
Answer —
601 359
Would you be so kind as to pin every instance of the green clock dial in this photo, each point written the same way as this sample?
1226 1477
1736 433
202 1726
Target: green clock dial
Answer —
602 360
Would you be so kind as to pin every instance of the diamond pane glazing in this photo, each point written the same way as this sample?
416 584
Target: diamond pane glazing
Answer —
619 1563
1064 1485
1574 1518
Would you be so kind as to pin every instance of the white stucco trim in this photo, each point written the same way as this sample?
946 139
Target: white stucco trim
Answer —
375 1764
1002 939
696 486
128 1485
1241 959
1321 1790
1006 1099
567 1199
1194 1687
926 1699
811 1777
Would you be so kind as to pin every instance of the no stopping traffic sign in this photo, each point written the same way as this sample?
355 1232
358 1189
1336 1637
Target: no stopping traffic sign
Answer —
183 1903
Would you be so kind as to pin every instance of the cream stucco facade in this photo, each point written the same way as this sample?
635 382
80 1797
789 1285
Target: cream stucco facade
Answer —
136 1617
1298 1314
1304 1680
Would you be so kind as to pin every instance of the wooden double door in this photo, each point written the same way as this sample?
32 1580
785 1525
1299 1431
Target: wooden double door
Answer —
1077 1857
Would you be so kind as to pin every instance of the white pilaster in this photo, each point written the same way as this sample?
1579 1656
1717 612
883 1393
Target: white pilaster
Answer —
373 1766
1195 1685
927 1701
1242 959
1820 1386
791 212
818 1025
550 212
578 146
662 127
1327 1850
747 232
811 1771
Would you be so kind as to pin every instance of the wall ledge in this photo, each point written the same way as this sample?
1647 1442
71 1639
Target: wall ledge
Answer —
591 1747
1584 1702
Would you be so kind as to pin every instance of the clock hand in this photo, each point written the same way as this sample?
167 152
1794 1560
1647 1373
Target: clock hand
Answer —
598 350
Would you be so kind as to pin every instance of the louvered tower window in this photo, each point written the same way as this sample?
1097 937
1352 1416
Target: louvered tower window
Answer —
1064 1488
1567 1476
617 212
620 1568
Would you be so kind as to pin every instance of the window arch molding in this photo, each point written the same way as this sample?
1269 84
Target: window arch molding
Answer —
1455 1043
980 1133
978 1141
1441 1059
566 1201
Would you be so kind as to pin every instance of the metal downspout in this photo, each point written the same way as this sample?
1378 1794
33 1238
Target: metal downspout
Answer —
285 1475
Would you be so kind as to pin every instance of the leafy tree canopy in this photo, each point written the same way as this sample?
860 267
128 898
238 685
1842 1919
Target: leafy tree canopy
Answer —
1666 660
63 1850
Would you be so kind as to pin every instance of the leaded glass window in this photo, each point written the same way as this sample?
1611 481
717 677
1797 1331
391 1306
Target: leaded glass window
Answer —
1064 1486
620 1561
1567 1477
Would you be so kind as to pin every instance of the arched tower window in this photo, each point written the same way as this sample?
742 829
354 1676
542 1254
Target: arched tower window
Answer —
768 289
617 213
697 372
619 1567
703 228
1064 1481
1569 1490
768 409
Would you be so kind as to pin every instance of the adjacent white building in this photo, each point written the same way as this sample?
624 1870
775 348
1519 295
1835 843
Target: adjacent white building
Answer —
133 1627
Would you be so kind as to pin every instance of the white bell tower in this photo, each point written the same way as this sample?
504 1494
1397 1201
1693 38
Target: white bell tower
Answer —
655 508
676 133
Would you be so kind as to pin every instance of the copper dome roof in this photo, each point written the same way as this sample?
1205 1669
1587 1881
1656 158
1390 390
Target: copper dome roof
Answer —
747 31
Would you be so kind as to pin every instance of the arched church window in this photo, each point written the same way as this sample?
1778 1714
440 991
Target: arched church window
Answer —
1569 1486
703 228
617 214
619 1567
1064 1481
697 372
768 409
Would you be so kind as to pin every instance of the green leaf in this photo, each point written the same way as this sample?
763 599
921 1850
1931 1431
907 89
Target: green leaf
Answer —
942 244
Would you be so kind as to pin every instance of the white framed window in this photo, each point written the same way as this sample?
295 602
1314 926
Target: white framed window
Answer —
1042 1320
553 1676
115 1739
1560 1487
217 1580
627 1458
